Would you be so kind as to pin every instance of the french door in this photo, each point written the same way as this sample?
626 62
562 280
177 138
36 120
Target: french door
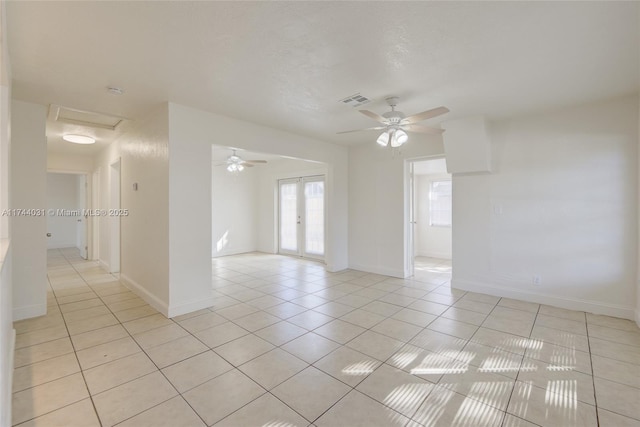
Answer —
301 216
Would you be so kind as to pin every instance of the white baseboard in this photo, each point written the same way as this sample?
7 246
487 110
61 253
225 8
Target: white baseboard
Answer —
234 251
439 255
63 245
332 268
153 301
188 307
376 269
29 311
588 306
103 265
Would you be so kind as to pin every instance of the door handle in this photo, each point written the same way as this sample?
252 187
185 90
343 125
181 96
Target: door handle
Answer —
298 222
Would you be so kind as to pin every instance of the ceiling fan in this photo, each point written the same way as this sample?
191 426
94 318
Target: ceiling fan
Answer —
236 163
396 125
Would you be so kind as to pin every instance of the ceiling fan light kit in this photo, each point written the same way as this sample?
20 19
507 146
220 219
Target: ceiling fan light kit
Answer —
383 139
393 137
396 124
235 167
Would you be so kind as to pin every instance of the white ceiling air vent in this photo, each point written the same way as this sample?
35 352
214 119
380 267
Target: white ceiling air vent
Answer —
355 100
92 119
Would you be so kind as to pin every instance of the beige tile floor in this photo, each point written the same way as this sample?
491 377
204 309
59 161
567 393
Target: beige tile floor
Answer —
288 344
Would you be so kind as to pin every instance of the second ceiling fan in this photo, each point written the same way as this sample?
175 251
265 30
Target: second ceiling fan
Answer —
396 125
235 163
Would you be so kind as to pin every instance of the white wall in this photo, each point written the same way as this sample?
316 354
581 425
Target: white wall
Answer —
268 177
7 333
637 313
28 191
57 162
234 211
62 193
143 149
431 241
562 203
378 204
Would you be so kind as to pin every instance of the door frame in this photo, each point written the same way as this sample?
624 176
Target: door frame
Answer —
114 220
94 223
91 230
84 217
409 211
302 253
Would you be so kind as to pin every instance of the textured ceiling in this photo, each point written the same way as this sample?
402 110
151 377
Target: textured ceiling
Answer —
287 64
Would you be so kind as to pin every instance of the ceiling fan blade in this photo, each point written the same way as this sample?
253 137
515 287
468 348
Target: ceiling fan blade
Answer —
360 130
221 164
247 165
423 129
255 161
425 115
374 116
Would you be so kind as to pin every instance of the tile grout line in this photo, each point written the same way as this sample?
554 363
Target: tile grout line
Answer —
280 347
341 346
134 379
383 362
593 374
390 316
75 353
370 329
331 300
515 384
159 370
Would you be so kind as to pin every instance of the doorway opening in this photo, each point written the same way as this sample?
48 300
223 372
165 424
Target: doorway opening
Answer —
67 219
246 204
429 220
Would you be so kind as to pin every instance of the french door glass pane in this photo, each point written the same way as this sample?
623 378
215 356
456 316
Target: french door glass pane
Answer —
314 217
288 217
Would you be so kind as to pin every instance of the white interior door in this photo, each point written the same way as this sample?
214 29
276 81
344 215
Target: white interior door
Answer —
302 216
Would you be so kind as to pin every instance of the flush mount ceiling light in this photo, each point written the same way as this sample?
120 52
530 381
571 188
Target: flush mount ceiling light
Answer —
79 139
395 124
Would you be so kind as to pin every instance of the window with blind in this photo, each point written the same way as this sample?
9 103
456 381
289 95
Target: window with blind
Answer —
440 203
